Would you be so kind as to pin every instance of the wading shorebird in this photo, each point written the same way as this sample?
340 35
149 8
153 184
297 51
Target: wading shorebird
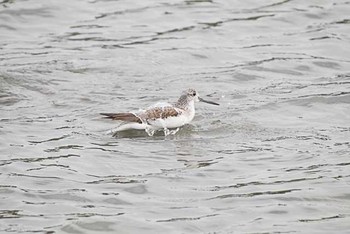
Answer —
161 115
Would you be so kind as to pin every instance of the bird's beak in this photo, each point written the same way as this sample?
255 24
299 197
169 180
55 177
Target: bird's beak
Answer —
209 102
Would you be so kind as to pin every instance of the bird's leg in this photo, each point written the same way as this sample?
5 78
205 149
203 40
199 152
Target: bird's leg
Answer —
173 132
166 132
150 131
165 129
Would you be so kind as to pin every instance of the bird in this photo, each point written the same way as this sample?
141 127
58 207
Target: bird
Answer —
160 116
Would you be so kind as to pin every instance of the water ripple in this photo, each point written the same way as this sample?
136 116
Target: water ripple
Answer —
254 194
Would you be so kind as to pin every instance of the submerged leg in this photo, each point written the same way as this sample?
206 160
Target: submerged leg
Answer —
150 131
166 132
165 129
173 132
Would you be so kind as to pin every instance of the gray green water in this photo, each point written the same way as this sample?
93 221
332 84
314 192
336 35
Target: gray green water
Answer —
274 157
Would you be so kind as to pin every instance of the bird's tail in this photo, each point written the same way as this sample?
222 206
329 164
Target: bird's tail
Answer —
127 117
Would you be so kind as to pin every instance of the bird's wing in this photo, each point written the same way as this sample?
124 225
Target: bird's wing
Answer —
128 117
145 115
160 112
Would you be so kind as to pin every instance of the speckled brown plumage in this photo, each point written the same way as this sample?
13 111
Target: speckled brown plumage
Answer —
150 114
160 112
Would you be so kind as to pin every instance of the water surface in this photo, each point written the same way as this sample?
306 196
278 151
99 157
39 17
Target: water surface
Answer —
272 158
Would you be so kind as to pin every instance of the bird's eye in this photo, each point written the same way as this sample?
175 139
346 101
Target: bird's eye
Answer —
193 93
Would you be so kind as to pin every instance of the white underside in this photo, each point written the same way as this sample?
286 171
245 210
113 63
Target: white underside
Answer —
171 122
